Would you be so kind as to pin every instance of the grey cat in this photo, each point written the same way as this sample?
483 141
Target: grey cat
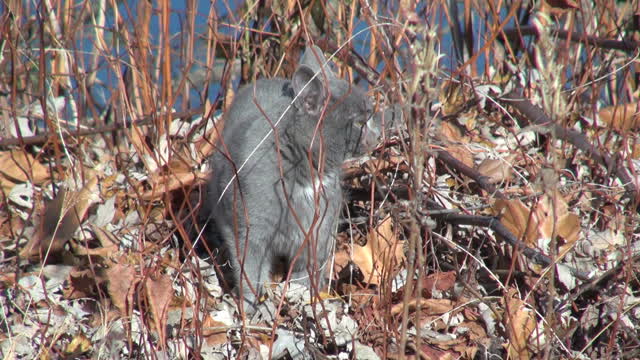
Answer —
275 194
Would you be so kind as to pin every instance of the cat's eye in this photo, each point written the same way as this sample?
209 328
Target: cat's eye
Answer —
362 120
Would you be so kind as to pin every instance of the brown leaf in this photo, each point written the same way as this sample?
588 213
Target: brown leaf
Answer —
497 170
621 118
80 344
62 216
108 244
159 291
539 222
452 133
461 153
162 184
635 151
520 323
440 281
17 166
123 280
435 307
373 166
569 229
563 4
515 215
205 146
381 254
9 226
451 97
81 284
21 166
342 256
214 332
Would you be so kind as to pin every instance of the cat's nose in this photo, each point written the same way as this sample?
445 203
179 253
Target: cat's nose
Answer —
371 132
390 117
377 124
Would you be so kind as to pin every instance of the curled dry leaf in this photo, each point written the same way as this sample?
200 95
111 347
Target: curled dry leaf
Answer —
376 167
532 224
372 166
122 282
204 147
80 344
520 324
381 254
635 154
438 282
462 154
563 4
621 118
451 97
81 283
213 331
452 133
443 322
497 170
159 291
108 244
9 226
432 307
166 183
180 173
18 166
61 219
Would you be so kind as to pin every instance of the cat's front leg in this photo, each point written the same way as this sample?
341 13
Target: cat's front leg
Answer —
252 272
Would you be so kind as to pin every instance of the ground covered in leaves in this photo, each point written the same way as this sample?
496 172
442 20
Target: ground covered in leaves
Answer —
497 218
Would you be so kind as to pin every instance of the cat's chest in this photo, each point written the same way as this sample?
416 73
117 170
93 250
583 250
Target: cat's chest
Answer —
321 190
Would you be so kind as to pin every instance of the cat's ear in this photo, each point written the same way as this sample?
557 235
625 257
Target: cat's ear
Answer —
314 58
311 91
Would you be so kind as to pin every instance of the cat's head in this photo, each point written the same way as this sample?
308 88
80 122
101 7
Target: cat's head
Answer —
345 111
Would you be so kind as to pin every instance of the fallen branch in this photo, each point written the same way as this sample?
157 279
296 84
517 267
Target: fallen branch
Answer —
435 211
535 115
624 45
72 134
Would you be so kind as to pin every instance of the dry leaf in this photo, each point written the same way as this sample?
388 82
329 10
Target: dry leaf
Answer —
105 238
159 294
621 118
373 166
109 244
61 219
162 184
462 154
451 98
440 281
205 146
635 151
569 229
20 166
214 332
80 284
539 222
17 166
563 4
9 226
123 280
80 344
515 215
381 254
520 323
497 170
435 307
452 133
468 119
